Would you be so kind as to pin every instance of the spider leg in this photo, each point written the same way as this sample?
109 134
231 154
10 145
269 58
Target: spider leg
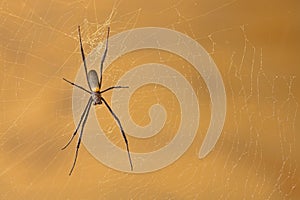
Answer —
80 136
113 87
122 131
104 56
81 118
78 86
83 57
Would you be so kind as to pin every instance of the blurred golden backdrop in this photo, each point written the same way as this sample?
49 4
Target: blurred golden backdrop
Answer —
255 45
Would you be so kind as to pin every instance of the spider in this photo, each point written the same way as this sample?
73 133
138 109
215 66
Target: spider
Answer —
96 98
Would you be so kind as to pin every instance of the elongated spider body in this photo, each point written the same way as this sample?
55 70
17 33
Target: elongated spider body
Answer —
94 83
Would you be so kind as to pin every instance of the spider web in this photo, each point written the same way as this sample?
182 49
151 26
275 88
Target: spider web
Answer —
256 155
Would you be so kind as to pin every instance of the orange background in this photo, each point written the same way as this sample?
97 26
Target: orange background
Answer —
255 46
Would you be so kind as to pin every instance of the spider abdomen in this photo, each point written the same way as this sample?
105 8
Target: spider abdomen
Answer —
93 81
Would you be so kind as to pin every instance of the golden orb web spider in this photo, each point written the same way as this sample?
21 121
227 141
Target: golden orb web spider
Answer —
96 98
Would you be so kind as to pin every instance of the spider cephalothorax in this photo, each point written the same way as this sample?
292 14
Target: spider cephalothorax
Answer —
96 96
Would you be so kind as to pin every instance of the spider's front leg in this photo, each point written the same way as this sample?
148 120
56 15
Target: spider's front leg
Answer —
83 116
81 133
122 131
